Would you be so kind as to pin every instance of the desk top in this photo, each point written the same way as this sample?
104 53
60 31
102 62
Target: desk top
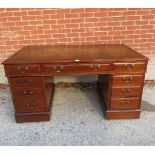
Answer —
74 53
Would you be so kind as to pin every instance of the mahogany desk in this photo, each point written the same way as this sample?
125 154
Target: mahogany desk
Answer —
120 69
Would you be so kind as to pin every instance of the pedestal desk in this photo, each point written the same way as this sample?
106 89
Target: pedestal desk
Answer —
120 70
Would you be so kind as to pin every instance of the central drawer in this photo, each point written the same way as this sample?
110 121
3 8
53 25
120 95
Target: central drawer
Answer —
27 93
87 68
126 91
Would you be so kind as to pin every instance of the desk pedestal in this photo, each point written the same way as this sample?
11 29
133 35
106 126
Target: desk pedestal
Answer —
32 98
120 100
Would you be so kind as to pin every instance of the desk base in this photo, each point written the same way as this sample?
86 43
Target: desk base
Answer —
128 114
32 117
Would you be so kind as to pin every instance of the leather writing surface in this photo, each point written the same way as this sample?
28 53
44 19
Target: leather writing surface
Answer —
74 53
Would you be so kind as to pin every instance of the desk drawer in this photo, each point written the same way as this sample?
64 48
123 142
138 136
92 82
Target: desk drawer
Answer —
21 70
28 93
89 68
124 103
26 82
30 106
126 91
127 80
130 67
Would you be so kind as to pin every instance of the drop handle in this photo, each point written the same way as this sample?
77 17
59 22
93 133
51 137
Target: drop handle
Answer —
22 70
125 90
127 79
58 68
24 81
28 93
129 66
31 105
124 102
95 67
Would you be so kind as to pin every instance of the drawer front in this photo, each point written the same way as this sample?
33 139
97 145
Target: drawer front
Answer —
124 104
62 69
27 93
26 82
126 91
21 70
30 106
130 67
128 80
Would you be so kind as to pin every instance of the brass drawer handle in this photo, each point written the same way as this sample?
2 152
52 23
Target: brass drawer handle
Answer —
22 70
125 90
95 67
124 102
24 81
129 66
31 105
58 68
127 79
28 93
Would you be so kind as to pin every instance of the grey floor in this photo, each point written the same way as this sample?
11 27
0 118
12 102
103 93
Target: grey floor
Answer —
77 119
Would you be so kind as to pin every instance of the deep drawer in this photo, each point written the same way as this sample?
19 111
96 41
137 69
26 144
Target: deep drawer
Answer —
63 69
21 70
26 82
127 80
126 91
124 103
27 93
129 67
30 106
